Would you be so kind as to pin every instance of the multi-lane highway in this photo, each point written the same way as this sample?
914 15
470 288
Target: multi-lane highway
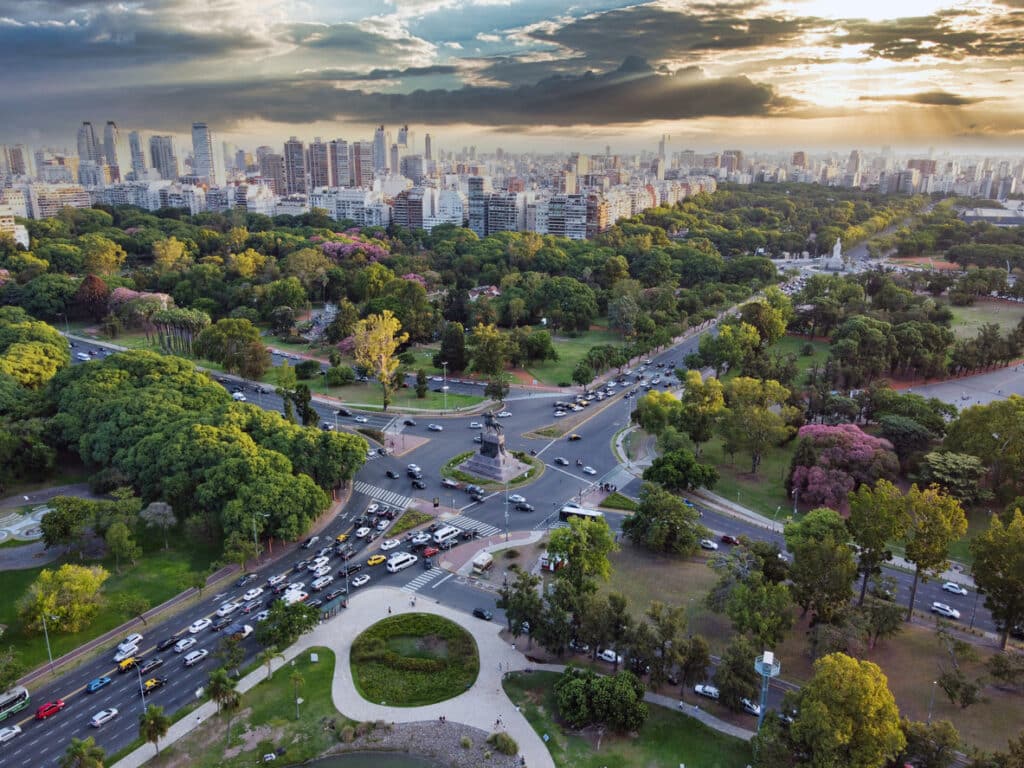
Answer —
42 742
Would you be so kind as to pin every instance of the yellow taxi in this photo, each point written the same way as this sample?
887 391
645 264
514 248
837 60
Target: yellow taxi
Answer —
376 560
341 537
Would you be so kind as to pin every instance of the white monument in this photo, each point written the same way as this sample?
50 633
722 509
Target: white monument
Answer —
835 262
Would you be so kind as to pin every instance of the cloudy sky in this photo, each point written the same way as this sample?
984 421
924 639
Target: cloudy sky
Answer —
523 73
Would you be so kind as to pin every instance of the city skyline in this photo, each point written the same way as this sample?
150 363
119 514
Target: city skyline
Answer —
799 73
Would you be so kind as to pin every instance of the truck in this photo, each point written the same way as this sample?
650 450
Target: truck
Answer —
482 562
552 562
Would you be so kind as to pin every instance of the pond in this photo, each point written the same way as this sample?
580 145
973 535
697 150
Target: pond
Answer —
374 760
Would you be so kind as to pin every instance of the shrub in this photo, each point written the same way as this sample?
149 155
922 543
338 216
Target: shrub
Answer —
487 754
340 376
503 743
511 554
466 742
807 350
307 369
362 729
347 734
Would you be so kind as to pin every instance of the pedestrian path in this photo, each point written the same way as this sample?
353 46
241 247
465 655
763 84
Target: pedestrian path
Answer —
382 494
422 580
469 524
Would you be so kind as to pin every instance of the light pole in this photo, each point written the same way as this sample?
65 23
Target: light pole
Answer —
974 610
142 691
506 510
767 667
46 634
444 383
931 702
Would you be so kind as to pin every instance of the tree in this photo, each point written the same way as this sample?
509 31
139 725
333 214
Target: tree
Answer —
521 601
735 677
656 410
267 656
69 598
422 384
586 545
153 725
488 349
615 701
302 397
823 565
297 681
582 374
160 515
100 255
959 474
679 470
498 386
663 523
726 350
453 348
760 609
230 652
934 521
67 521
877 517
701 404
121 544
880 619
845 715
11 668
769 322
995 434
240 549
376 339
930 745
998 571
286 381
757 417
694 658
83 753
229 342
221 689
667 623
170 255
91 297
906 435
285 624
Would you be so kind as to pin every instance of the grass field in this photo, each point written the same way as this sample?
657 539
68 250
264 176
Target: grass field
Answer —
765 492
968 320
667 738
157 577
570 352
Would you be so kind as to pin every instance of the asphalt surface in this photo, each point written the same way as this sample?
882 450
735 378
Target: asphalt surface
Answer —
43 742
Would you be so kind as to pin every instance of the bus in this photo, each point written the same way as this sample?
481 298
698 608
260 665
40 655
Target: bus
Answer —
13 701
571 510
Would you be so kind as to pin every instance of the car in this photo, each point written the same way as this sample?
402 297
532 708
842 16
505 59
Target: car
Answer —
322 582
317 564
196 656
477 439
350 569
246 579
589 471
376 560
956 589
430 551
483 613
515 498
383 525
343 412
310 542
944 610
325 551
150 665
559 412
447 482
130 663
524 507
219 624
185 643
49 709
103 716
503 414
561 461
418 484
302 565
750 707
273 581
167 642
475 425
708 544
125 652
409 422
295 586
154 683
199 625
362 420
392 474
96 683
239 397
261 616
579 647
334 594
6 734
362 533
341 537
415 474
359 581
389 544
574 437
610 656
315 603
132 641
226 609
706 689
729 539
435 427
372 507
252 594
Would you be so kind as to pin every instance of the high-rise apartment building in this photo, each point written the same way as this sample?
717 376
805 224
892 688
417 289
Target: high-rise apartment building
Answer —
341 173
853 164
318 164
427 149
272 171
403 137
362 164
411 167
380 149
162 157
294 167
478 188
111 140
14 159
88 144
203 166
395 162
138 154
799 159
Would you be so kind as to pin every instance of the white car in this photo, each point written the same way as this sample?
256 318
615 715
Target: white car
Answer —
435 427
362 533
360 580
389 544
750 707
383 524
708 544
238 397
503 414
124 652
412 468
362 420
262 616
273 581
372 508
295 586
199 625
317 564
610 656
322 582
559 413
252 594
515 498
103 716
574 409
133 640
421 538
184 644
6 734
589 471
196 656
320 572
706 689
226 609
956 589
475 425
944 610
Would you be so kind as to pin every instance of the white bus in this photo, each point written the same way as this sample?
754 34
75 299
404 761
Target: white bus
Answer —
446 534
400 562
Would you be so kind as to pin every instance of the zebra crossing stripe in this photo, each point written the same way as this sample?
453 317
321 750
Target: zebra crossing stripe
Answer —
382 494
422 580
473 525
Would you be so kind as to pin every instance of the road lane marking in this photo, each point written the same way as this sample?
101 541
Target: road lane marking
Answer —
442 581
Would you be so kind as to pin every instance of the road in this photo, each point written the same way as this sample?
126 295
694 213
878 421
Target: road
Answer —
43 742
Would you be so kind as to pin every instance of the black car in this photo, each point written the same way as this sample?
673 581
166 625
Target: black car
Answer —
471 489
409 423
392 474
251 606
524 507
150 665
350 570
483 613
344 412
477 497
315 603
428 563
301 565
415 474
562 462
219 624
418 484
167 642
280 587
334 595
246 579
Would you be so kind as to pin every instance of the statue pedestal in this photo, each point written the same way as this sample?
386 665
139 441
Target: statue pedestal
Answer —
493 461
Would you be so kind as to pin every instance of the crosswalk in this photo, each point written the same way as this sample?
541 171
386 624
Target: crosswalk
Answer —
382 494
422 580
469 524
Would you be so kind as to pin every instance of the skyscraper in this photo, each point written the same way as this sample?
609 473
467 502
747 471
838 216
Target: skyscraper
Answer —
396 158
138 154
341 173
15 159
294 167
272 170
202 154
403 137
478 187
427 148
380 149
362 164
318 165
88 145
110 140
161 151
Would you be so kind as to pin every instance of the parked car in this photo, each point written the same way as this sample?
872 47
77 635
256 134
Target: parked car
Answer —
610 656
706 689
708 544
750 707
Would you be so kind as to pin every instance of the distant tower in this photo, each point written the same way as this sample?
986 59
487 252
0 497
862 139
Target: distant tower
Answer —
138 154
272 171
362 164
318 164
294 167
161 152
380 149
110 138
403 137
341 172
202 154
767 667
427 148
396 156
88 145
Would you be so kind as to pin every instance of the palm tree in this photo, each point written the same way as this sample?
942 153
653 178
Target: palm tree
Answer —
83 753
153 725
267 656
222 689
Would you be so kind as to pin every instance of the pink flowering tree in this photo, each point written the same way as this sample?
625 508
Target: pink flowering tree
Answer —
353 246
831 461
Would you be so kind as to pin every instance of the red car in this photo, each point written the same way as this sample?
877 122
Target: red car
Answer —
430 551
727 539
49 708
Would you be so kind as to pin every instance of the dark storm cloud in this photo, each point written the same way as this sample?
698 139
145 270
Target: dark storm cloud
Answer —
384 74
931 98
935 35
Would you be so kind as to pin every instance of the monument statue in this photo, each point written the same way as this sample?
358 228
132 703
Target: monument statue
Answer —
492 423
837 249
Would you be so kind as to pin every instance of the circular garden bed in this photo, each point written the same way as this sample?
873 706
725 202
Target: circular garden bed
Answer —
414 659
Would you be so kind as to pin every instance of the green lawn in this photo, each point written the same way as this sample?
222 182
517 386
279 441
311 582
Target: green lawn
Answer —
668 738
764 492
795 344
157 577
370 394
570 352
968 320
266 717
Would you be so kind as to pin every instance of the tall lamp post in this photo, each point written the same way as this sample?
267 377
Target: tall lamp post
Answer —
444 383
931 701
46 634
767 667
506 510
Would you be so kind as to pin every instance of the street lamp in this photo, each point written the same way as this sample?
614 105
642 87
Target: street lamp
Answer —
974 610
931 702
444 383
142 691
46 634
506 510
767 667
